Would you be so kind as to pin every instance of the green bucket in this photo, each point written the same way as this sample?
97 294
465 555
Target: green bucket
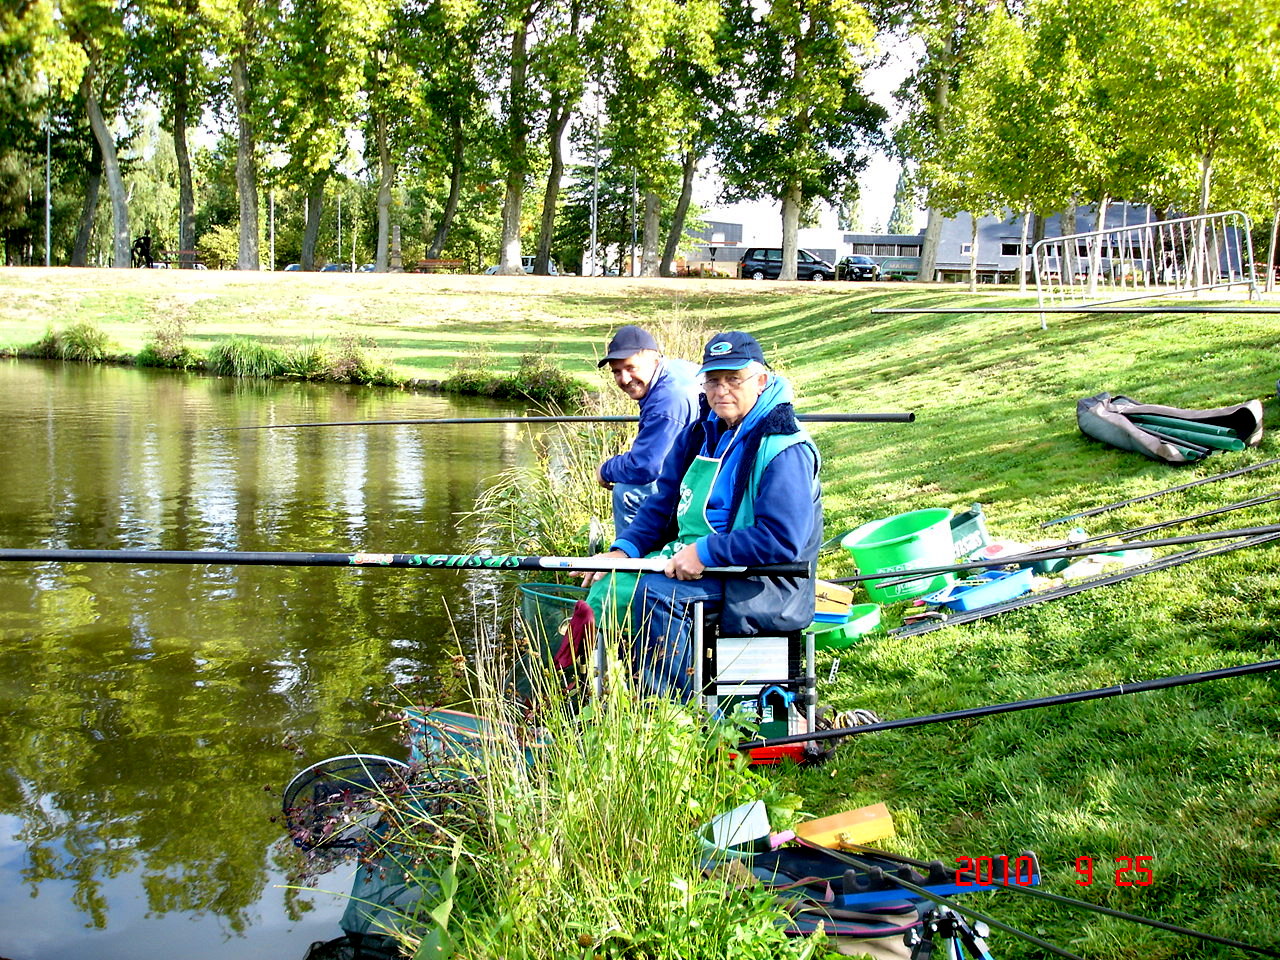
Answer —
921 538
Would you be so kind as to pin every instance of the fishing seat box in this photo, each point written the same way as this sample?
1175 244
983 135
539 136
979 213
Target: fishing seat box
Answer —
768 679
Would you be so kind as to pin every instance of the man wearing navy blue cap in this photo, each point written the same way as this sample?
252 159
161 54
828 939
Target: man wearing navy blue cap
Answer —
739 488
667 391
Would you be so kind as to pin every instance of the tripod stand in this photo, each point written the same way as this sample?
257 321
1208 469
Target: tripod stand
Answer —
960 941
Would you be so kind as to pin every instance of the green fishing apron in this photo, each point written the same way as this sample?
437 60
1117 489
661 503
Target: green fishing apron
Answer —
610 597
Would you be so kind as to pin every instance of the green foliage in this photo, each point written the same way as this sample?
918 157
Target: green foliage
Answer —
538 378
245 357
79 341
167 346
590 847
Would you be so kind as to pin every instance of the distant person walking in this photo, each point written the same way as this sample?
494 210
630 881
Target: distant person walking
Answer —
667 390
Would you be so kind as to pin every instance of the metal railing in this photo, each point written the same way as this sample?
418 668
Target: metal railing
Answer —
1158 258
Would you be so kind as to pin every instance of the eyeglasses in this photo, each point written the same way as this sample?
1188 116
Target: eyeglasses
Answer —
723 383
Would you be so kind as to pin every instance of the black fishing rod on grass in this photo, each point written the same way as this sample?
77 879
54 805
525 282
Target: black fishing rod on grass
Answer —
971 713
1160 493
443 421
918 573
410 561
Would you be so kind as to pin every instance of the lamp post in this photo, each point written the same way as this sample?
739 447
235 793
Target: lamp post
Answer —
48 196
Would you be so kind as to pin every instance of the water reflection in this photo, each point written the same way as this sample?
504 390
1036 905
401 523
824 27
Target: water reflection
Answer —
146 711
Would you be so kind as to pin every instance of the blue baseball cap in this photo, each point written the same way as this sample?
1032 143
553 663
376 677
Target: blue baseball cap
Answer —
731 351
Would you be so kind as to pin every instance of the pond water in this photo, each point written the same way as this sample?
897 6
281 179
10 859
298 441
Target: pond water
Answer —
149 716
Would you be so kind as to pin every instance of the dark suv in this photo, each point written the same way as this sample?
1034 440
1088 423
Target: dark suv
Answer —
856 267
765 263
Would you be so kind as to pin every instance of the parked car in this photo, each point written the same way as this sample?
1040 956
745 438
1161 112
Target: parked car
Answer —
336 268
857 267
366 268
765 263
293 266
527 263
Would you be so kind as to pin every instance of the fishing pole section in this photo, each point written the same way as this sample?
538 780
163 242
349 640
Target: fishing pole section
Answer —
908 417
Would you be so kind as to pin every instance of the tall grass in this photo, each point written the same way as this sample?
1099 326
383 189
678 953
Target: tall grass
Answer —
83 341
245 357
591 847
538 378
167 346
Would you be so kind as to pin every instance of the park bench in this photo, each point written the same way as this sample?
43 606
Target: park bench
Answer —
441 266
180 258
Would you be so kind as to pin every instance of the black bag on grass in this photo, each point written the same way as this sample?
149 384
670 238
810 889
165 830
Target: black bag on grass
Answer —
1108 419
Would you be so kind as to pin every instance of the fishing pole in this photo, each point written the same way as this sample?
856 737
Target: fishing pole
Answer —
970 713
1030 599
442 421
895 577
1160 493
414 561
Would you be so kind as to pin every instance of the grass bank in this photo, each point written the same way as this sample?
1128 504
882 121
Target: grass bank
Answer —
1190 777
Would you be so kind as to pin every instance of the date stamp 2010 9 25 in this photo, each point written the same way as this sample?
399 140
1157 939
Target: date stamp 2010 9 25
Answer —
1002 871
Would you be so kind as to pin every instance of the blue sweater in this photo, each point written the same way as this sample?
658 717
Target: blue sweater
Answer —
670 405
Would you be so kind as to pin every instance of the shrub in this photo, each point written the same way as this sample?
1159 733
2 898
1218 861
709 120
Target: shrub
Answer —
245 357
80 341
167 346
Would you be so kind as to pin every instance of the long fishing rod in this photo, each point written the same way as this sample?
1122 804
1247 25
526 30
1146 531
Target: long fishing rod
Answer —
442 421
947 902
1160 493
1058 898
413 561
1159 525
918 573
970 713
1031 599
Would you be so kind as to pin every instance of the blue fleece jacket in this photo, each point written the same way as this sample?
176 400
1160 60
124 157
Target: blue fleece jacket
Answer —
670 405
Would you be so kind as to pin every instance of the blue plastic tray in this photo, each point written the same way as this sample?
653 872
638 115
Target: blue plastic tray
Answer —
995 586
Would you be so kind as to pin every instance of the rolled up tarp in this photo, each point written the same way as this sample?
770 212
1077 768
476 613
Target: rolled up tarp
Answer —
1109 419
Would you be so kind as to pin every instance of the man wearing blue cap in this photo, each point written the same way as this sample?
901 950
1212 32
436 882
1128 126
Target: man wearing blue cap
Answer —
667 391
739 488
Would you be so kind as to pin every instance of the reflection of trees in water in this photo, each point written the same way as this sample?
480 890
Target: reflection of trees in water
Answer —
145 710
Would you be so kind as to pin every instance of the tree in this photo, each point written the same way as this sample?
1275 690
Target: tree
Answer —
98 28
803 119
903 218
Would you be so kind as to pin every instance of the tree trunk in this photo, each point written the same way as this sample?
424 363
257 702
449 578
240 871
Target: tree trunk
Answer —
652 225
561 111
93 180
246 166
315 210
456 168
186 191
973 253
929 248
509 262
1022 251
791 202
1069 252
1095 246
120 239
386 180
689 166
1271 250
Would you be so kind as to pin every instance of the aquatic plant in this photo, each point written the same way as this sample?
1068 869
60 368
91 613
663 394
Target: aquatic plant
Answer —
82 341
245 357
537 378
167 346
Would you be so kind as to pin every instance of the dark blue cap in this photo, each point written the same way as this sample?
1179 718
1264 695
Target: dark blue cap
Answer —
731 351
627 342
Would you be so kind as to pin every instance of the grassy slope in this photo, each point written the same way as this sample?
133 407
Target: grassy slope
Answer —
1190 776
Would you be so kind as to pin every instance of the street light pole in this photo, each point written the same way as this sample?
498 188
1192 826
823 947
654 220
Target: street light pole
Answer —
48 196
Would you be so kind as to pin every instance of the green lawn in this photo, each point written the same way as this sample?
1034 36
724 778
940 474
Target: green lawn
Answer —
1189 776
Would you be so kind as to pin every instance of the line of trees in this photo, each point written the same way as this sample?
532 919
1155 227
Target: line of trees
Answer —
453 119
1039 106
447 118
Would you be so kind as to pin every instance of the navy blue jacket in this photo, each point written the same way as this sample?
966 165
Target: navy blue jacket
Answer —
670 405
